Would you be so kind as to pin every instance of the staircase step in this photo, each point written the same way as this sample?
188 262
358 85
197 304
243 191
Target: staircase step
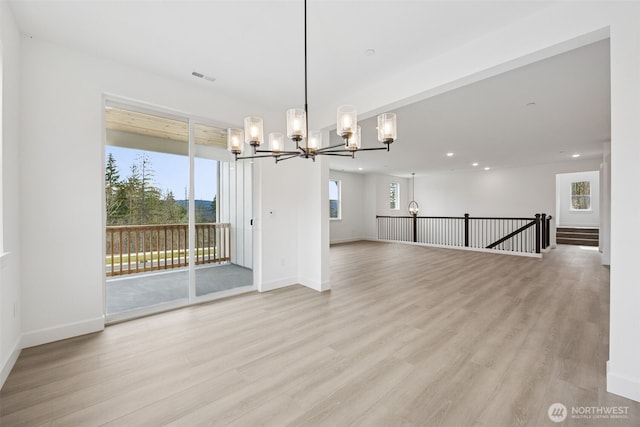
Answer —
589 230
578 242
572 235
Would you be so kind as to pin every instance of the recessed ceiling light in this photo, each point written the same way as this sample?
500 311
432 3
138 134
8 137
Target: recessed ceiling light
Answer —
359 169
487 168
575 155
449 154
474 164
369 52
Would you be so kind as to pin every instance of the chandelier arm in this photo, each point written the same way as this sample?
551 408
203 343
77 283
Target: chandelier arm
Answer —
277 153
345 150
374 149
280 159
334 153
253 157
320 150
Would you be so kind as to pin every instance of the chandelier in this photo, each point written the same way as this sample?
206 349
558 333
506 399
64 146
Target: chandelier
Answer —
413 205
308 143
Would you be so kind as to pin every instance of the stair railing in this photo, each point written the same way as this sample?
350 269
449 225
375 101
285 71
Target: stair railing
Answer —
530 235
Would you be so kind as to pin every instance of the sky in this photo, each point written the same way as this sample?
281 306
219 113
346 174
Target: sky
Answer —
171 171
334 190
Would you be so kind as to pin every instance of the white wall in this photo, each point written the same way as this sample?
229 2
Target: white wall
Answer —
275 230
10 298
313 224
517 192
605 204
235 207
566 217
377 200
623 376
350 227
61 183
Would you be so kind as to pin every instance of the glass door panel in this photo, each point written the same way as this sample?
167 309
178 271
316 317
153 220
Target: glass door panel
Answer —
222 223
146 183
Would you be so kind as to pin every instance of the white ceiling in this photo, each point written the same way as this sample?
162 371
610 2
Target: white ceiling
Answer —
254 50
489 122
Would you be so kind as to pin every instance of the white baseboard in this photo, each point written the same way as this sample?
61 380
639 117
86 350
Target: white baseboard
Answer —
10 361
623 385
466 248
316 285
61 332
354 239
277 284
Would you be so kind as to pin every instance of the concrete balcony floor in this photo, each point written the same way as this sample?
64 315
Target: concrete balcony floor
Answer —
134 291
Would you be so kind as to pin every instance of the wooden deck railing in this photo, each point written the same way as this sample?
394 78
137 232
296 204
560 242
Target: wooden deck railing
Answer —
140 248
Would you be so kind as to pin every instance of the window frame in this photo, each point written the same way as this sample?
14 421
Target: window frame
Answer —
572 195
394 205
339 200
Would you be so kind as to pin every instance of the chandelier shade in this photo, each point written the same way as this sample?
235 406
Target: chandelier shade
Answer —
308 142
276 142
387 128
296 124
314 142
413 207
347 121
235 140
354 142
253 133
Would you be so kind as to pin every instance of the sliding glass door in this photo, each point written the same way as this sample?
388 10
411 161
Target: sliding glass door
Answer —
170 239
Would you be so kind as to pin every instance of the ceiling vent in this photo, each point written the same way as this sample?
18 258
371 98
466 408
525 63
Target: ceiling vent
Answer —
202 76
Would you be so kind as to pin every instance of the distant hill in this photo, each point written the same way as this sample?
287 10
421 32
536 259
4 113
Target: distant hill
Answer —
204 210
202 204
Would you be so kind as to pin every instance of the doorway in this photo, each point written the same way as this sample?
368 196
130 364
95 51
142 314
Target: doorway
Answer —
172 234
578 208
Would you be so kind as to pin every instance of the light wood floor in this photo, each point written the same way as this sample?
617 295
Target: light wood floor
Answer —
407 336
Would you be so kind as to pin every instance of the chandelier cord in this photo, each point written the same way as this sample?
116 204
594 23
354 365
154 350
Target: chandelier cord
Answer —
306 107
348 129
413 195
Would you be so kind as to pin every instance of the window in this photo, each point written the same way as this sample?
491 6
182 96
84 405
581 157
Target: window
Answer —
394 196
334 200
581 196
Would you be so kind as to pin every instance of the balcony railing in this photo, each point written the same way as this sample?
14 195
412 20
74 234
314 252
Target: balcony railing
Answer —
141 248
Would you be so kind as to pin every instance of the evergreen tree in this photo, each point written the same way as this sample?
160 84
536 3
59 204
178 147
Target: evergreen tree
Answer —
172 212
132 186
137 200
149 193
113 193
